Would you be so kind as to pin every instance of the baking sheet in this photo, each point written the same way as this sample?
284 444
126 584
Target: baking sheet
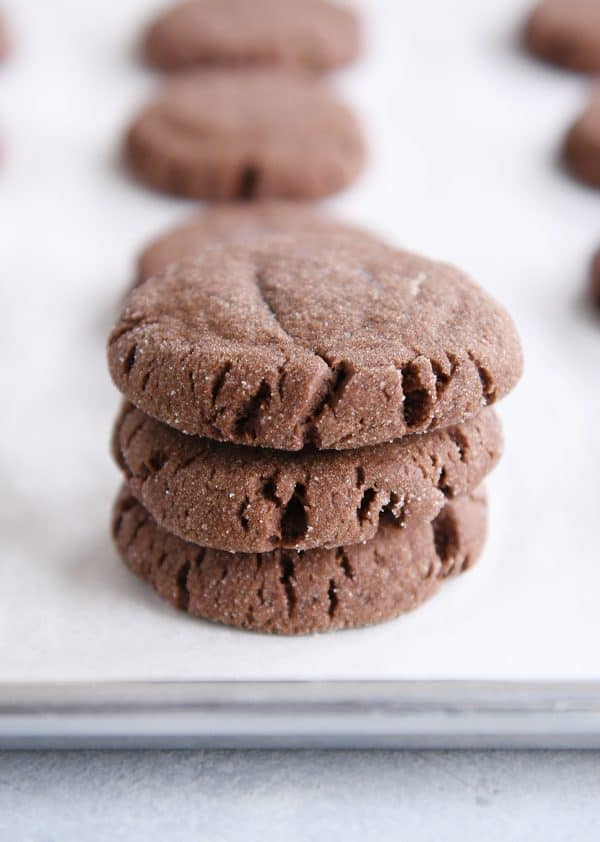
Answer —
464 132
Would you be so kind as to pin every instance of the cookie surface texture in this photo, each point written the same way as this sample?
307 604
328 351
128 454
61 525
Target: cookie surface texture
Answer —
285 344
250 499
286 592
232 222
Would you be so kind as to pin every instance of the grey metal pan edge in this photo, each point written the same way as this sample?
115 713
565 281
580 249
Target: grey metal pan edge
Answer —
339 714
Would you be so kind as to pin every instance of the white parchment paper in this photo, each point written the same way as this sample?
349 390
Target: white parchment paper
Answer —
464 132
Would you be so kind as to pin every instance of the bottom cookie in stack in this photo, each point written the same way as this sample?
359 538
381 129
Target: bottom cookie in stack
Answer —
300 592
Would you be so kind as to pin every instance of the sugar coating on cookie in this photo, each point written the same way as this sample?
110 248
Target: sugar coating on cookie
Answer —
566 32
311 34
286 592
230 134
249 499
232 222
283 343
582 145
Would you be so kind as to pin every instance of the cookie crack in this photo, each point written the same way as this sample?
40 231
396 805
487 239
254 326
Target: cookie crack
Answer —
183 593
344 564
332 599
488 389
218 384
259 280
248 419
446 540
328 395
287 570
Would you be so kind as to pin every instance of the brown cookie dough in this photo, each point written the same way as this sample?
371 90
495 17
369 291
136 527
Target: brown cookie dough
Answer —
582 145
311 34
249 499
284 344
285 592
230 134
566 32
4 39
236 222
594 288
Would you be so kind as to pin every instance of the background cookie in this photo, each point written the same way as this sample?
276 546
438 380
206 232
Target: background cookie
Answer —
311 34
582 145
231 134
236 222
283 344
286 592
251 499
4 39
566 32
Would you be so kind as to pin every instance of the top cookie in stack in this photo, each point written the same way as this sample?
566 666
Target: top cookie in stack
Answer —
286 343
306 430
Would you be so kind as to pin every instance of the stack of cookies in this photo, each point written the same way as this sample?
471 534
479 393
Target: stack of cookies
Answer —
307 423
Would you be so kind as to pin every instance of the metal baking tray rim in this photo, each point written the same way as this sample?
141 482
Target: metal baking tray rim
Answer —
300 714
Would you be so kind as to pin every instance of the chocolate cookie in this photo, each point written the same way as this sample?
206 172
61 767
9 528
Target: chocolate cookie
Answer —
236 222
228 134
566 32
4 39
283 344
310 34
286 592
582 145
249 499
595 279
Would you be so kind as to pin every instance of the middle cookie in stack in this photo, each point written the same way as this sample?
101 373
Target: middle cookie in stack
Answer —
306 430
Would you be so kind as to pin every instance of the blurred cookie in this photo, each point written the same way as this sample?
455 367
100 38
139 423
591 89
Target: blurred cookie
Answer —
567 33
283 343
4 39
582 145
312 34
250 499
242 134
286 592
235 222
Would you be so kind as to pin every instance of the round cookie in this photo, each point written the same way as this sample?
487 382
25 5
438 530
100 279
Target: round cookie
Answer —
594 288
282 343
582 145
566 32
249 499
285 592
236 222
311 34
227 134
4 39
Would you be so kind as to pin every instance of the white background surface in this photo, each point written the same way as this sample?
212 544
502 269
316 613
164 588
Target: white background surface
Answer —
464 132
